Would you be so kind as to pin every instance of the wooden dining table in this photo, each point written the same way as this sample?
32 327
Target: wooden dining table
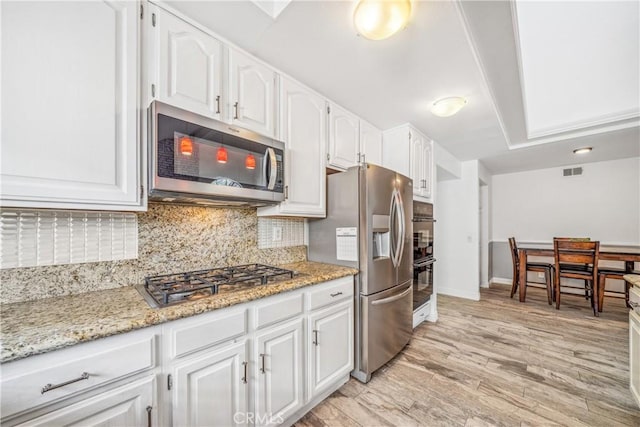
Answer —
628 255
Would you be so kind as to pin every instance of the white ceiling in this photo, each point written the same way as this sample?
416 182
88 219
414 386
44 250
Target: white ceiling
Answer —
449 48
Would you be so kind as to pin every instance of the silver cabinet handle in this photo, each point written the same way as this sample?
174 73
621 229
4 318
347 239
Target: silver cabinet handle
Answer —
336 294
286 192
359 155
235 111
149 408
244 378
49 387
315 337
262 362
364 159
218 104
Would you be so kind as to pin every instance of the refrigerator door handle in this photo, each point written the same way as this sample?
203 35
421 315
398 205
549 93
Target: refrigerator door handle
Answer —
392 229
403 230
397 228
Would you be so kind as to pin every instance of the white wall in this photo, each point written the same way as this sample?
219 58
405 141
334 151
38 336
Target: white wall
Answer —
603 203
456 234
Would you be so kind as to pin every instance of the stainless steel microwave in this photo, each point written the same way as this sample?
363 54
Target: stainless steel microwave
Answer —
198 160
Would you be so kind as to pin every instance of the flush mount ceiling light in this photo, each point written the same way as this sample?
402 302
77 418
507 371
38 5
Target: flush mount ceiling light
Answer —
583 150
379 19
446 107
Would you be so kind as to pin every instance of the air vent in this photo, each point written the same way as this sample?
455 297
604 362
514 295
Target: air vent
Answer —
571 171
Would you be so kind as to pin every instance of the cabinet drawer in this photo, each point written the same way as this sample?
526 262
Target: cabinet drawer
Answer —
206 330
280 309
31 382
331 292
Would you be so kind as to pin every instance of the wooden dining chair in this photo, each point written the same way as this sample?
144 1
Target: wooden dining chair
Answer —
540 267
612 273
577 260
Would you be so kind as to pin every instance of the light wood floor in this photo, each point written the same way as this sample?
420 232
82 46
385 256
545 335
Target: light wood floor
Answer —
499 362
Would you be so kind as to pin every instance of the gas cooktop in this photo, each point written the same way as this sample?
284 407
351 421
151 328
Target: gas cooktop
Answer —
169 289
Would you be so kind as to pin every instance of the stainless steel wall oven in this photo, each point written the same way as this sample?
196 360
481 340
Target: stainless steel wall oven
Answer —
423 260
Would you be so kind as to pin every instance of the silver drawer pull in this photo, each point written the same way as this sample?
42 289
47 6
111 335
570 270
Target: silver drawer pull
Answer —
315 337
244 378
262 363
49 387
336 294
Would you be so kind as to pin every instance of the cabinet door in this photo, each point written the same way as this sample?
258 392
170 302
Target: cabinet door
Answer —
129 405
69 118
211 390
370 143
634 354
417 163
190 66
427 169
304 132
252 89
344 138
396 150
330 346
278 357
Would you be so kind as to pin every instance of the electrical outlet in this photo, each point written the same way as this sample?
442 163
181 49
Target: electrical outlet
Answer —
277 234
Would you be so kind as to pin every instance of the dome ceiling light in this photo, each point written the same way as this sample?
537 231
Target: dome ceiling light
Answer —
583 150
380 19
449 106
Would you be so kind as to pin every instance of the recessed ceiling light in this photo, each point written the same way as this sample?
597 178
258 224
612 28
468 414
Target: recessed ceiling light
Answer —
582 150
446 107
377 20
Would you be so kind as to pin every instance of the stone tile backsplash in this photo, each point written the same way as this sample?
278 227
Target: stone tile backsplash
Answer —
171 238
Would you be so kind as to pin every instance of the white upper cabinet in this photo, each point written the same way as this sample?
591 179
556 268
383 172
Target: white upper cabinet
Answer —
70 105
410 153
417 163
421 165
396 150
370 144
344 138
252 94
190 66
304 132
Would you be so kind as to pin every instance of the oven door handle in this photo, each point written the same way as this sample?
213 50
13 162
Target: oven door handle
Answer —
270 168
424 263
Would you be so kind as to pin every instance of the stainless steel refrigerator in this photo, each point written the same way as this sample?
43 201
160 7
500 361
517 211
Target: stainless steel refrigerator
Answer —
368 226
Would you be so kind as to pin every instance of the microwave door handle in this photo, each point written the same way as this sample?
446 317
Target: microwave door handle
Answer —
271 172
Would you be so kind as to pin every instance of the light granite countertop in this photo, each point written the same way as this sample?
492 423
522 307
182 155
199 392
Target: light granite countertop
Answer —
40 326
634 279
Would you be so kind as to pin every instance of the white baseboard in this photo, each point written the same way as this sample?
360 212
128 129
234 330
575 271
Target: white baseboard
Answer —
500 280
484 285
472 295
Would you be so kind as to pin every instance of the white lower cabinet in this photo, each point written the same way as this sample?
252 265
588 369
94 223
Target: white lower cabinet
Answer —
212 389
634 355
111 381
264 362
279 372
330 346
129 405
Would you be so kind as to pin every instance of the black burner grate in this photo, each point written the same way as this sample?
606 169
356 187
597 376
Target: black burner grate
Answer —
169 289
